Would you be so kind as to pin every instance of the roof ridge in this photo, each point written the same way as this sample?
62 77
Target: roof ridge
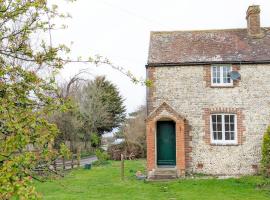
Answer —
203 30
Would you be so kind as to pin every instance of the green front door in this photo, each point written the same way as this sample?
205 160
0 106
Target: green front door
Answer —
166 143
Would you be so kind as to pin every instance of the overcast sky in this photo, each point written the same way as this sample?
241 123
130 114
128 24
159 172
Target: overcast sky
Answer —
120 30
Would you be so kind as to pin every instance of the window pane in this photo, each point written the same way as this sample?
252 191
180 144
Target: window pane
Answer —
227 127
214 126
219 135
232 118
232 127
226 75
219 120
214 71
214 118
227 117
218 74
227 135
215 135
219 127
214 74
232 135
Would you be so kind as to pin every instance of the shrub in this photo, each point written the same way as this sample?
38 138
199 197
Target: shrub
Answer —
130 150
265 162
64 151
95 140
102 157
115 151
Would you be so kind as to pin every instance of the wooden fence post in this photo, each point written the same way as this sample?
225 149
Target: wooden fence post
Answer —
78 156
72 157
64 163
54 165
122 167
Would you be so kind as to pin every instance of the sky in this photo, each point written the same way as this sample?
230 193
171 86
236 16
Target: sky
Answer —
120 31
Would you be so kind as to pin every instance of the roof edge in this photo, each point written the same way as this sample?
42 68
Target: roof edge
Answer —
203 30
205 63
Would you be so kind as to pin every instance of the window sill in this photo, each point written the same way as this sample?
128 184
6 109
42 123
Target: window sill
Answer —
224 144
222 86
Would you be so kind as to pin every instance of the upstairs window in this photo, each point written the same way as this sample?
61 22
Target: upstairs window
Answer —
223 129
220 75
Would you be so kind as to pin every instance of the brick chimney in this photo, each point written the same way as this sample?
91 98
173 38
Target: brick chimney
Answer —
253 20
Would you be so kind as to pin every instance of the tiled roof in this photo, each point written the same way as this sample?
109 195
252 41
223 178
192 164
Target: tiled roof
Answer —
231 45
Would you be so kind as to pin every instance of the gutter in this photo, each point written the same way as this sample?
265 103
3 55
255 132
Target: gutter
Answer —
205 63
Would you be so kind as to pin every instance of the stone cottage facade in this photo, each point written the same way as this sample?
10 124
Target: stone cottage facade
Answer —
210 102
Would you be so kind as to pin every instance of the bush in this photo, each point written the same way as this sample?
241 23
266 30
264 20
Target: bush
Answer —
95 140
102 157
130 151
265 162
64 151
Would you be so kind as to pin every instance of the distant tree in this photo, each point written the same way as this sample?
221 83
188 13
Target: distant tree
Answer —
134 133
118 134
69 122
69 125
134 129
101 106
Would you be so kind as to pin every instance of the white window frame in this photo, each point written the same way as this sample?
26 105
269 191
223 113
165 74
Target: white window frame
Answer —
221 76
223 141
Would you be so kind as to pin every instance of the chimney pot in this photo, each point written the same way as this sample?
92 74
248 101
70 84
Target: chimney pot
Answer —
253 20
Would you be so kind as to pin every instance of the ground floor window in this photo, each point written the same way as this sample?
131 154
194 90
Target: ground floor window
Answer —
223 129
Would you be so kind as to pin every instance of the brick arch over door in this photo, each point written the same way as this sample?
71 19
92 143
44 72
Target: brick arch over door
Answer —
166 112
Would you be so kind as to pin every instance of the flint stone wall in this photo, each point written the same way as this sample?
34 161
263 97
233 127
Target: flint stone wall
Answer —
184 88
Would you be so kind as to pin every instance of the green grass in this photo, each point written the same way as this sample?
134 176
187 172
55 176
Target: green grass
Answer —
105 183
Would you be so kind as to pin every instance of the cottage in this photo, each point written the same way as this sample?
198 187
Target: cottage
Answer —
209 104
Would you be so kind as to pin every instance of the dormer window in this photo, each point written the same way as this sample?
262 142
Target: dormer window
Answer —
220 75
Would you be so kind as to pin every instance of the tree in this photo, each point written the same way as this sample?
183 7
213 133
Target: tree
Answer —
26 98
265 162
101 110
28 92
133 130
70 122
69 125
101 106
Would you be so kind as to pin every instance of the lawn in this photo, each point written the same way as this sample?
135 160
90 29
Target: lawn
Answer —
105 183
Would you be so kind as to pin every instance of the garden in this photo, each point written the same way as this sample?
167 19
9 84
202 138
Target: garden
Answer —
104 182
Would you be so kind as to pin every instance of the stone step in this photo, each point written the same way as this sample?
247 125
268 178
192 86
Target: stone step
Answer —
170 170
162 177
165 173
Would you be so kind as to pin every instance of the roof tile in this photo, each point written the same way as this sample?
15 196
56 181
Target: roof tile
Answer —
208 46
